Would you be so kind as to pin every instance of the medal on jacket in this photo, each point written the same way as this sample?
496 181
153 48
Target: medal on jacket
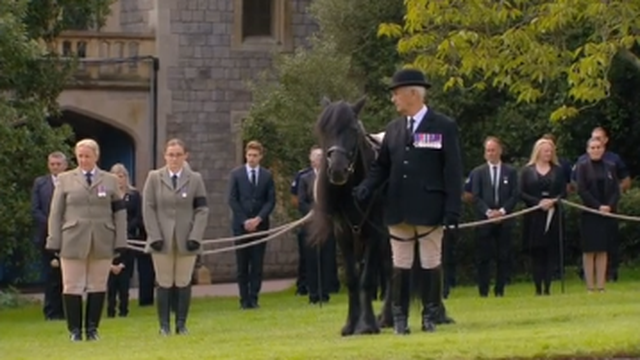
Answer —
184 192
427 140
101 191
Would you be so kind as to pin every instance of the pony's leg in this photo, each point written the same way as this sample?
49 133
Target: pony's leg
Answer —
367 323
346 247
385 319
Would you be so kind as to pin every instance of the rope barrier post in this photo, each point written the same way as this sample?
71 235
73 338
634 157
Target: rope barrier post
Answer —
561 243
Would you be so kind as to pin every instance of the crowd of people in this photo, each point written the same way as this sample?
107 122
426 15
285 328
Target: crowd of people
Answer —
84 217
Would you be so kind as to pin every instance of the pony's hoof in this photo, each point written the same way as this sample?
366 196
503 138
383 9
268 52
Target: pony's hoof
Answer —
385 322
347 330
445 320
367 329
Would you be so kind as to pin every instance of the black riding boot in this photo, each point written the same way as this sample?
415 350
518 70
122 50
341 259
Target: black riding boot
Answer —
431 298
182 309
400 300
95 303
73 311
163 303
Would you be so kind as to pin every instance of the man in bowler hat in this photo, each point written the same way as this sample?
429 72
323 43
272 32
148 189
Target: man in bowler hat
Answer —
420 159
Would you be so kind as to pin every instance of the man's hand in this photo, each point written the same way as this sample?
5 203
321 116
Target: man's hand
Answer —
605 209
116 269
360 193
55 263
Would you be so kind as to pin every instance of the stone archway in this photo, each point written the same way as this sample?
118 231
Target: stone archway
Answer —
117 145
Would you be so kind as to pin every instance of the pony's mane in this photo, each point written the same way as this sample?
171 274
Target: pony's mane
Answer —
335 118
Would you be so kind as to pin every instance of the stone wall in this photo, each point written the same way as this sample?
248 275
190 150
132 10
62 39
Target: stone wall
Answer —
202 98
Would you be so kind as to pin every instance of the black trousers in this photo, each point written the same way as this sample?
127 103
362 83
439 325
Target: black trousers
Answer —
543 263
301 282
146 278
118 290
493 242
448 262
249 265
52 307
319 271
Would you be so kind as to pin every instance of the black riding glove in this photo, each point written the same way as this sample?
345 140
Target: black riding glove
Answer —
193 245
157 245
451 222
360 193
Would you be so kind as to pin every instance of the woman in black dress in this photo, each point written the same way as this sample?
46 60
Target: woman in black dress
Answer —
542 182
598 188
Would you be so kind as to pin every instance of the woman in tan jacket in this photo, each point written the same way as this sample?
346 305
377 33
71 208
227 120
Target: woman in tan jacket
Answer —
87 229
175 216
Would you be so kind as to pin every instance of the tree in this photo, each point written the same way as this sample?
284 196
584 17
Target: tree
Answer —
557 50
30 81
284 111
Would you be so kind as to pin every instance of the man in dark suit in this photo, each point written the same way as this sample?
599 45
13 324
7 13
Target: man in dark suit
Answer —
41 194
420 158
252 198
495 194
318 258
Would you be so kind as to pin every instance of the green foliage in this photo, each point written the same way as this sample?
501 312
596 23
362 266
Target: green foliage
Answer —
31 81
284 111
11 299
46 18
524 47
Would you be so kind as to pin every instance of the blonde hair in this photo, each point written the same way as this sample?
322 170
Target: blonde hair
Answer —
535 153
91 144
121 169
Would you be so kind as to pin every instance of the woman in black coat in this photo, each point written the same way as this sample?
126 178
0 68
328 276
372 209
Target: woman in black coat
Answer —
598 188
541 182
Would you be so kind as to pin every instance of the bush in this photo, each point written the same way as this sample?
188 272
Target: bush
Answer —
10 298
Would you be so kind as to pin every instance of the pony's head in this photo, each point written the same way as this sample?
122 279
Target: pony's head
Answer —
340 134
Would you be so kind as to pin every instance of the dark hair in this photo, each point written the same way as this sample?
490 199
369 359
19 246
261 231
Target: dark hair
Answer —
601 129
495 139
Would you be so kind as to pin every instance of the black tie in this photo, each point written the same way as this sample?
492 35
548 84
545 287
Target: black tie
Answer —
174 181
253 177
88 176
494 183
410 131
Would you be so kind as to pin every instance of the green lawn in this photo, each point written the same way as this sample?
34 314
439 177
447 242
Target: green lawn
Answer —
517 326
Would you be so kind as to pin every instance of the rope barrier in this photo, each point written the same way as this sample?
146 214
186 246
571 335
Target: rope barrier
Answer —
283 229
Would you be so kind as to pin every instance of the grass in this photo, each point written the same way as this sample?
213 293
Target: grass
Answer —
520 325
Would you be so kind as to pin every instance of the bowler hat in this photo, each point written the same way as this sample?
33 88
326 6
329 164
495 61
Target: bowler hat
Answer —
409 77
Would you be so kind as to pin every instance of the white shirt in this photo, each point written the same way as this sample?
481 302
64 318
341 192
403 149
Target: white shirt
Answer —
54 179
256 169
495 182
417 117
177 174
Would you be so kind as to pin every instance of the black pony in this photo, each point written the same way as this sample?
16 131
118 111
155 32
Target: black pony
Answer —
348 154
358 229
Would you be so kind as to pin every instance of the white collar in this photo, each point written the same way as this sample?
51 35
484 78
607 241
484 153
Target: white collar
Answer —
496 165
249 168
92 172
171 174
419 115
